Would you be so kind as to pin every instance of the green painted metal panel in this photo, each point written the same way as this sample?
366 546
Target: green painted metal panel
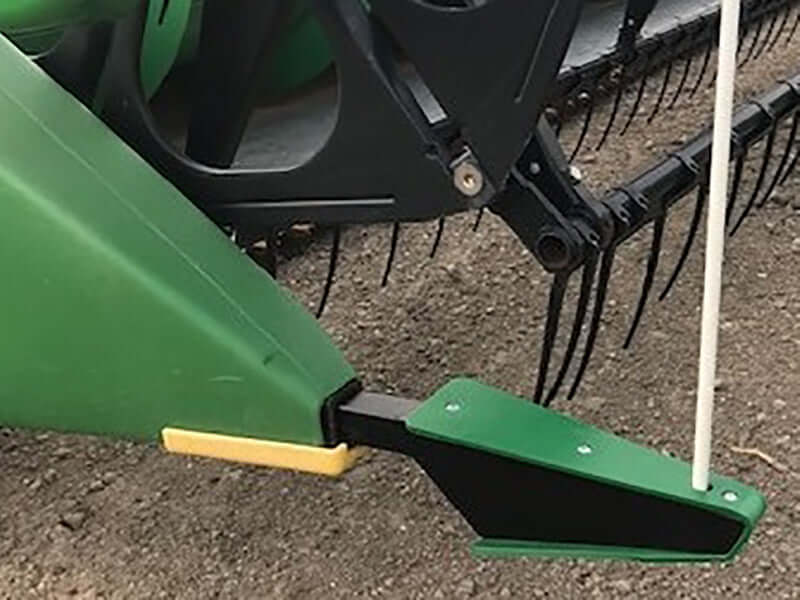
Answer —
124 309
477 416
171 36
18 16
163 40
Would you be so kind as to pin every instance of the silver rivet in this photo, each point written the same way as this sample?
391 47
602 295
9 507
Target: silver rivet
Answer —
730 496
452 407
535 168
584 449
468 179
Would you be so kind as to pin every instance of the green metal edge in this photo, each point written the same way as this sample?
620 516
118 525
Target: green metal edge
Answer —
494 421
124 309
489 548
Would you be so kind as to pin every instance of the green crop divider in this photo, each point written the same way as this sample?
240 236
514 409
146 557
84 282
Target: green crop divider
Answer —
470 414
124 310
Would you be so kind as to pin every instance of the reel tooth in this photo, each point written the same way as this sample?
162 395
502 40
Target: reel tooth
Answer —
392 251
478 219
768 37
334 258
738 171
647 284
699 206
663 92
587 280
586 98
777 178
703 69
785 21
638 101
753 41
554 306
621 85
793 30
791 168
684 77
761 175
438 237
597 314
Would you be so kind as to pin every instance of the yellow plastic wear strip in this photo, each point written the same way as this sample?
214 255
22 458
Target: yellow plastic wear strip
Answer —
281 455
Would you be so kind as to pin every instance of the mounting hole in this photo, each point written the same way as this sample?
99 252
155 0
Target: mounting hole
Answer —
552 251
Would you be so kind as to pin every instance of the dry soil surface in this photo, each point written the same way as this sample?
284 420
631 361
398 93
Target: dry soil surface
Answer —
92 518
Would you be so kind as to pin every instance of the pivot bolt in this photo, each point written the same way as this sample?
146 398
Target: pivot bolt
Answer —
468 179
584 449
730 496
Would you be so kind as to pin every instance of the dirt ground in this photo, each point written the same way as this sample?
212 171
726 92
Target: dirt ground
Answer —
92 518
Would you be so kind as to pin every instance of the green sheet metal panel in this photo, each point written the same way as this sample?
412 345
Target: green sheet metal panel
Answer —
18 16
474 415
172 34
124 309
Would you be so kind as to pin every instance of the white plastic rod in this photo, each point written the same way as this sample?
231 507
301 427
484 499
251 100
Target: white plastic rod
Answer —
715 240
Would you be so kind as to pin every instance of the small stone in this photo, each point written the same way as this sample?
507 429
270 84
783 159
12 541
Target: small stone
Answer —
62 452
623 586
465 589
594 403
505 593
98 485
589 159
778 403
720 385
73 520
779 199
453 271
796 245
795 202
648 144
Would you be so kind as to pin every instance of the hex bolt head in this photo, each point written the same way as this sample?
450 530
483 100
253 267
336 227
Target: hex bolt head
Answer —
584 449
468 179
730 496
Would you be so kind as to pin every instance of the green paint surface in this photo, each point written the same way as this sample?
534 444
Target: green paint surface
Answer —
171 36
124 309
474 415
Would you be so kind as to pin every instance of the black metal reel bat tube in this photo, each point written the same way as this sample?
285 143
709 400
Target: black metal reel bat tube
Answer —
648 198
664 47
